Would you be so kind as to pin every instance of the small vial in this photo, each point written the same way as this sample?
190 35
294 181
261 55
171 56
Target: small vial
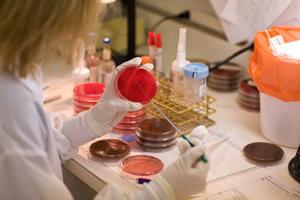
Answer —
195 75
107 65
80 73
91 58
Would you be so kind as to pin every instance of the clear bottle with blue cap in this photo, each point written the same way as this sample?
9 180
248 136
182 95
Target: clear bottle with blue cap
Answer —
195 75
107 65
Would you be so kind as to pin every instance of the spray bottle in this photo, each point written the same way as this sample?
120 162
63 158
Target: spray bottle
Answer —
179 63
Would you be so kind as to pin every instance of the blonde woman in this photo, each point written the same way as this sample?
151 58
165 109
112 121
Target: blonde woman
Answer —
30 148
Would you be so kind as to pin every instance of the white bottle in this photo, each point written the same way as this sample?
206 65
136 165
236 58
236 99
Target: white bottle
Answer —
80 73
179 63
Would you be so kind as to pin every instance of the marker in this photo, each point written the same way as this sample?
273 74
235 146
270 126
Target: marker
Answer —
158 51
151 44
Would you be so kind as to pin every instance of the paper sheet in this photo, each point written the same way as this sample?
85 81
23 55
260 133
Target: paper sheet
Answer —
220 153
267 187
241 19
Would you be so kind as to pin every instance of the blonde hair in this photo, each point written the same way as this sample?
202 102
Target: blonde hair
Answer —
29 27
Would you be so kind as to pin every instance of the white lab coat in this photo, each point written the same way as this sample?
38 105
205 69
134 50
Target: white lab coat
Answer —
30 148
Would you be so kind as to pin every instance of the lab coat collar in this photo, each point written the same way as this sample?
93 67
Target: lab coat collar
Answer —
34 84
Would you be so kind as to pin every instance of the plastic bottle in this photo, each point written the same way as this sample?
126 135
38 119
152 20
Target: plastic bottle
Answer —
195 75
92 60
80 73
107 65
179 63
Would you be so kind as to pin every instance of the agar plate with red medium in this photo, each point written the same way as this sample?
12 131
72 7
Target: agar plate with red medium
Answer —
248 95
86 95
129 123
142 165
109 149
136 84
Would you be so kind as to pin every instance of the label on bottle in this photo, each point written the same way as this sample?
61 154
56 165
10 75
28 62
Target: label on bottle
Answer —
202 90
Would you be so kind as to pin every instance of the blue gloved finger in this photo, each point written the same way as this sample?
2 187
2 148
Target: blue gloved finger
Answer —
148 66
133 62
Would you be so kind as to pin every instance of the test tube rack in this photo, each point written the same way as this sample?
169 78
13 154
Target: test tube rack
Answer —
184 115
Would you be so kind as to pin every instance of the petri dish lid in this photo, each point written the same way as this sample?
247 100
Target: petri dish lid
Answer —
248 95
155 127
89 90
164 144
142 165
110 148
220 87
123 131
136 84
263 152
228 70
196 70
168 137
248 86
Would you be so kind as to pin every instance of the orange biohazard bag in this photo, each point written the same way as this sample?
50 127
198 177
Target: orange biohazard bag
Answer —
276 76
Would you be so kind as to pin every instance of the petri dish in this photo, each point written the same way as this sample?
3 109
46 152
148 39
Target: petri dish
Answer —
86 99
83 105
224 88
110 148
125 126
250 95
248 86
263 152
156 144
123 131
142 165
136 84
78 110
155 127
157 139
89 90
228 71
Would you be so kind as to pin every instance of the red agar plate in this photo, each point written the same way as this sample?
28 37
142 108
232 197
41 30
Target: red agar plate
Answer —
142 165
136 84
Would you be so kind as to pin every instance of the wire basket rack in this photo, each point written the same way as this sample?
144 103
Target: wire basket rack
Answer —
184 115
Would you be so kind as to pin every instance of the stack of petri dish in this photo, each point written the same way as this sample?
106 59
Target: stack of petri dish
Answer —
226 78
86 95
248 95
155 134
130 122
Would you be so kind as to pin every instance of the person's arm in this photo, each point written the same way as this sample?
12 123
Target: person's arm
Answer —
27 175
98 120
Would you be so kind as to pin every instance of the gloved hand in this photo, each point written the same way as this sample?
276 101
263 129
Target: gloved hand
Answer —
111 109
178 181
187 175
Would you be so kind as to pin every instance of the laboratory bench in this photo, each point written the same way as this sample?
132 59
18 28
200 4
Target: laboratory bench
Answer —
230 175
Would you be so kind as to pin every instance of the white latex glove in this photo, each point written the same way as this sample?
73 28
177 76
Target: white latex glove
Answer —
187 175
111 109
